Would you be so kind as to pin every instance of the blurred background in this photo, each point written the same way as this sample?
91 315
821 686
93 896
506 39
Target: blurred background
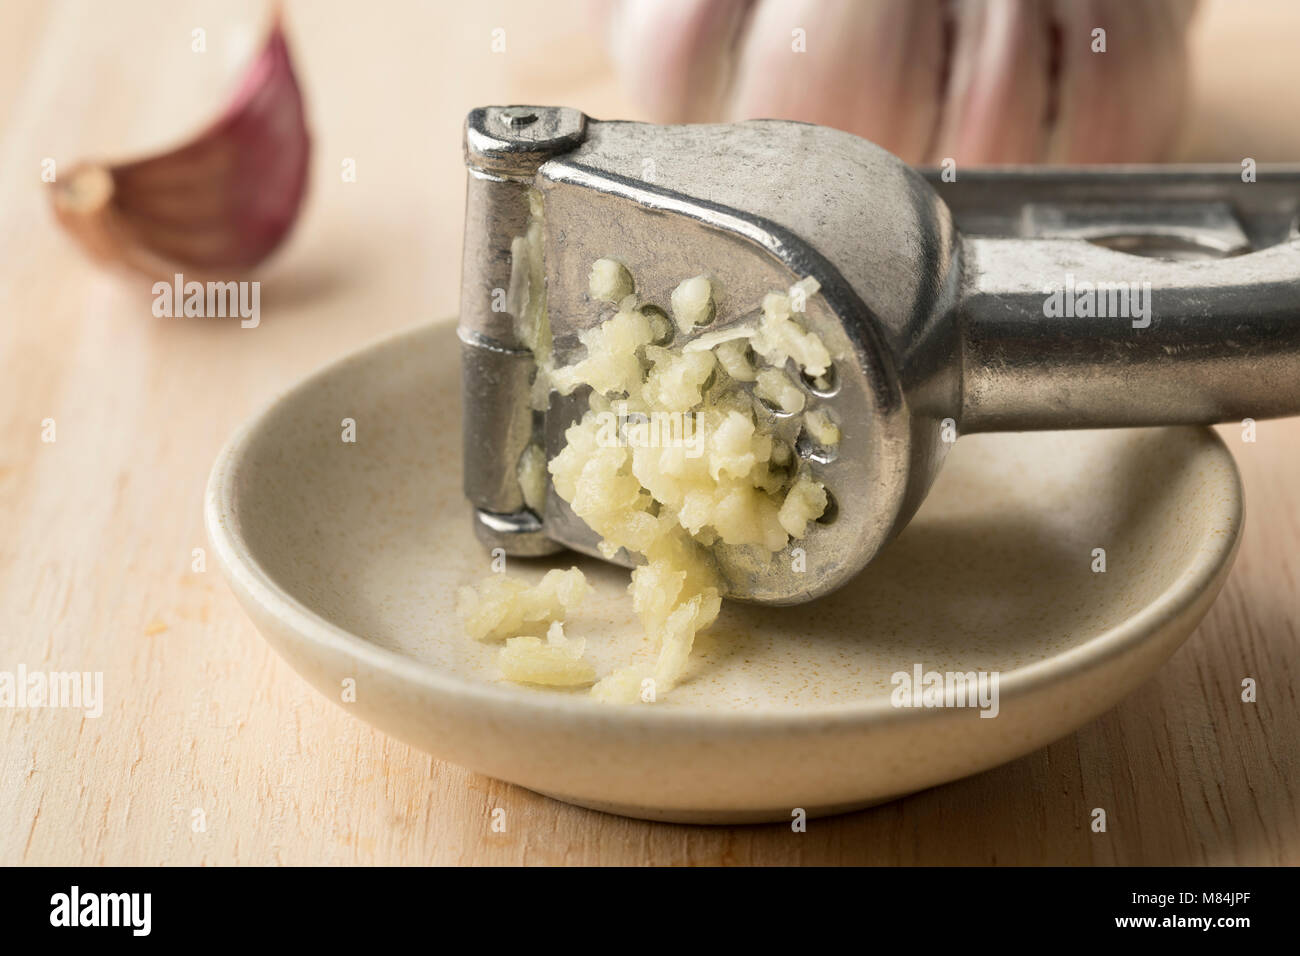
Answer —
97 531
387 85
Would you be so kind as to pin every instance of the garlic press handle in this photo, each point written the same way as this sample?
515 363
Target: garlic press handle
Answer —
1064 333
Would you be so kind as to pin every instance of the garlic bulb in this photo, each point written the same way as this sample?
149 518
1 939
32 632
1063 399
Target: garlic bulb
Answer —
978 81
220 203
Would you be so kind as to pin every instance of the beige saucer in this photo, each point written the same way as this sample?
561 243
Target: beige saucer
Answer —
347 557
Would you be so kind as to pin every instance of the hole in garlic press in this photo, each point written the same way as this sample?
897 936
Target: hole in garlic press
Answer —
831 511
782 462
824 385
776 410
663 327
1166 246
810 449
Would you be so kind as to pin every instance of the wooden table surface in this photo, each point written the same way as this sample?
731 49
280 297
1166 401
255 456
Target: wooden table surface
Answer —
203 723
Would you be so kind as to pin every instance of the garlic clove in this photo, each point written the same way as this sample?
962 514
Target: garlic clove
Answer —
222 202
997 101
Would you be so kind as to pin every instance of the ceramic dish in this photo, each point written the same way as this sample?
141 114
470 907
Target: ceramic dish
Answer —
347 556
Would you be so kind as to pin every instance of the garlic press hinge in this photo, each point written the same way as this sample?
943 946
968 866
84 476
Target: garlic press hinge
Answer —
504 146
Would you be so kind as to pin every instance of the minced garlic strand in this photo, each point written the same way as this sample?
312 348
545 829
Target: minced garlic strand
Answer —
806 502
532 477
775 387
692 303
503 607
609 281
556 662
821 427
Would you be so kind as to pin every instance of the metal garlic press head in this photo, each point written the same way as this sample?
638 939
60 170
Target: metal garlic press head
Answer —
953 301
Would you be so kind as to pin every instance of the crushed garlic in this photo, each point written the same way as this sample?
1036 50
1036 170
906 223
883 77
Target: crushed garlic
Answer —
805 502
609 281
774 387
555 662
821 427
780 338
692 303
503 607
532 477
672 501
777 337
718 477
734 357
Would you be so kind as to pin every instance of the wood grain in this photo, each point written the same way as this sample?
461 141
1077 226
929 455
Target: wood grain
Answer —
97 528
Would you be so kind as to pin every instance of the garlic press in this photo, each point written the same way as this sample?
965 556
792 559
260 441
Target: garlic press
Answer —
953 301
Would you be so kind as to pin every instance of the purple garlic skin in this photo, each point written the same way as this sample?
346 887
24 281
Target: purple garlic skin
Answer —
219 204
